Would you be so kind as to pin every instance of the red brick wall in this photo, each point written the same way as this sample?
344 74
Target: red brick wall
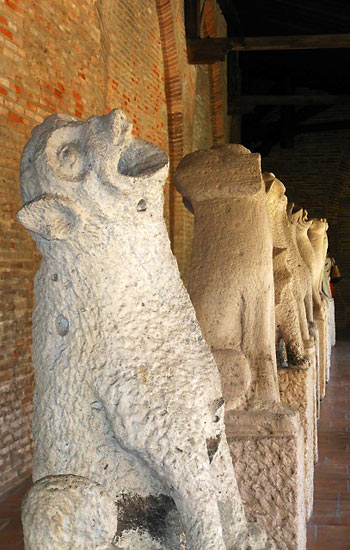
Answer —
185 93
82 57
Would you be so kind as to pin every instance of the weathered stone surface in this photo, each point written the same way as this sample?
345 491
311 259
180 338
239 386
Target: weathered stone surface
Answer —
293 294
325 286
317 234
312 260
127 392
66 509
231 287
297 389
327 293
231 279
290 278
331 333
137 540
295 219
266 448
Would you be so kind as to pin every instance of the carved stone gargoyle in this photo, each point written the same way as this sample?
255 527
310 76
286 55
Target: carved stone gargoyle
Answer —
127 393
290 278
231 279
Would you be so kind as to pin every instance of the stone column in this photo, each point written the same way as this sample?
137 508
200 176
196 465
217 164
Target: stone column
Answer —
127 392
297 378
231 287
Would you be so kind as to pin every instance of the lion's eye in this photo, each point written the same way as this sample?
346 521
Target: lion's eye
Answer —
67 153
70 162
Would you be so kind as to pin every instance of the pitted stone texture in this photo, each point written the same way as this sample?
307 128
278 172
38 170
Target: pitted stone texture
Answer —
331 320
231 287
305 229
270 473
297 389
326 279
317 234
137 540
291 279
293 292
312 261
127 392
255 538
331 335
327 293
60 510
305 275
231 278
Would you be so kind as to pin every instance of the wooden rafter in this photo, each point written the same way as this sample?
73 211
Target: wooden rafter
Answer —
211 50
248 102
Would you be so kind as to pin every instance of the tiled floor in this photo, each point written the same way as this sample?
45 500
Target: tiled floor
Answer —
10 519
329 528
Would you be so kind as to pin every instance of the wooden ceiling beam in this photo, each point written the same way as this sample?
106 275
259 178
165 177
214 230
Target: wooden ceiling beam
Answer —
248 102
210 50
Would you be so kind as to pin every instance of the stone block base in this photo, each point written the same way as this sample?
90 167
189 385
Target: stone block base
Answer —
267 449
298 390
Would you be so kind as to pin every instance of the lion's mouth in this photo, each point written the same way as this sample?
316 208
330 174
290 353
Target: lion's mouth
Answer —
140 158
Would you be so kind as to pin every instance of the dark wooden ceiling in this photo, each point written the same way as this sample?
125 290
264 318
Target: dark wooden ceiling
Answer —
286 17
310 72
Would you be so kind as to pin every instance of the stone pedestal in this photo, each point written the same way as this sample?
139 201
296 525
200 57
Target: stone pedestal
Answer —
298 390
267 450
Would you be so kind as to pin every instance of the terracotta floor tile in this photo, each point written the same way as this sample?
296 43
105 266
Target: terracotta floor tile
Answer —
331 487
331 512
11 536
338 470
329 527
328 537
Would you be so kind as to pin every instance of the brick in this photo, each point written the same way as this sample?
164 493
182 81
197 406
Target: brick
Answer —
15 117
114 61
6 32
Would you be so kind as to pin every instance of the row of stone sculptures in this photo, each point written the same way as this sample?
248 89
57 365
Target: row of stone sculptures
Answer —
133 447
262 298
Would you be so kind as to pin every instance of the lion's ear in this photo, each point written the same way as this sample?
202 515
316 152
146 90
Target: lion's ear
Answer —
50 216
